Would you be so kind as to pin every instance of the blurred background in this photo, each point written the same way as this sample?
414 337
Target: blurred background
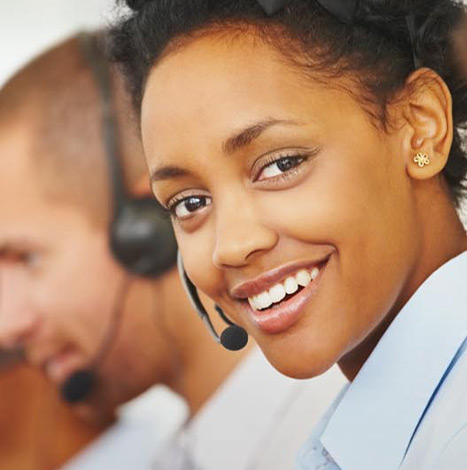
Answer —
27 27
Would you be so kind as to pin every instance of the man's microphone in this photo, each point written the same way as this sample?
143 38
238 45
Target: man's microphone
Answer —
80 385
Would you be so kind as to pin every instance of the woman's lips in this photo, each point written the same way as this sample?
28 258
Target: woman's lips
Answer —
267 280
282 316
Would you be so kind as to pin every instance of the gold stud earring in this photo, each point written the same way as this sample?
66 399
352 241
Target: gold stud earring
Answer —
422 159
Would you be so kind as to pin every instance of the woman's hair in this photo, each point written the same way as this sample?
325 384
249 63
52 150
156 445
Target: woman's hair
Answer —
378 50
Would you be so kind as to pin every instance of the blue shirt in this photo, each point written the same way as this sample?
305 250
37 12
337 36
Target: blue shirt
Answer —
407 407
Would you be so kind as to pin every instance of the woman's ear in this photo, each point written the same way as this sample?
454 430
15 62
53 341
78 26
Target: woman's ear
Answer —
428 113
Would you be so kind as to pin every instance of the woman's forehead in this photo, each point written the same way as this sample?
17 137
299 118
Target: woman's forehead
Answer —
208 60
211 85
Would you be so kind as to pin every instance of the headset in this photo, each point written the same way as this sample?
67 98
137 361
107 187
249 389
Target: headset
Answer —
141 237
234 337
140 233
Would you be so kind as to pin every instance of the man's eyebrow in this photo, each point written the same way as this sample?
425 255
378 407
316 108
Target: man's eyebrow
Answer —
17 245
8 249
167 172
250 133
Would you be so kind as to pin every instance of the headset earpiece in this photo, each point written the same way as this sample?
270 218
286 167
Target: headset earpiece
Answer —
142 239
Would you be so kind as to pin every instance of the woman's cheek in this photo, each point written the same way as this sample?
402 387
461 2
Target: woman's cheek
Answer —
196 249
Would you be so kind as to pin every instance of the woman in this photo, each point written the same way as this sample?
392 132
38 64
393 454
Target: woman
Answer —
309 153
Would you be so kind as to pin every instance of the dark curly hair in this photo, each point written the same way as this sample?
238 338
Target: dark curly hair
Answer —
380 48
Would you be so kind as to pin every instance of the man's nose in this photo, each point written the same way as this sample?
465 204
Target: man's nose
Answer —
240 232
17 320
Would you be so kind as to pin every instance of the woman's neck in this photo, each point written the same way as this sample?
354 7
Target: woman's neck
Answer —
444 238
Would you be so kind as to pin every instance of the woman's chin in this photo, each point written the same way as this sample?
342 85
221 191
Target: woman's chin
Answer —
297 363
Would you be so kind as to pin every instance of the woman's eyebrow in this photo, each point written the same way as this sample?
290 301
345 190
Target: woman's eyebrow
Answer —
252 132
231 145
167 172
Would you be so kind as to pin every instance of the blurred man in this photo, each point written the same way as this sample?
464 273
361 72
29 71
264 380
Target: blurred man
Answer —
28 405
72 306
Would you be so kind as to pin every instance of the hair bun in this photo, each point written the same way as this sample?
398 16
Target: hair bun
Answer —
136 5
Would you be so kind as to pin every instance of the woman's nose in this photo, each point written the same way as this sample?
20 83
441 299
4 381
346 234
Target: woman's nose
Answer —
17 320
240 233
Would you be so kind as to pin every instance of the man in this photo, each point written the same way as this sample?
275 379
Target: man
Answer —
28 405
68 302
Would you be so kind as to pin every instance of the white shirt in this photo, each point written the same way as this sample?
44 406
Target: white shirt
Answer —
143 427
257 420
407 407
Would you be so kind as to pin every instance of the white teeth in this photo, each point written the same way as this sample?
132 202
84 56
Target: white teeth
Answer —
303 278
263 300
277 293
314 273
291 285
252 302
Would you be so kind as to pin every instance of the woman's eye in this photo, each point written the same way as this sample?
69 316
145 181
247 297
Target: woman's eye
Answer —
186 207
279 167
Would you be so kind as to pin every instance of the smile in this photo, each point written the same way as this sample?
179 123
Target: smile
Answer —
279 291
277 299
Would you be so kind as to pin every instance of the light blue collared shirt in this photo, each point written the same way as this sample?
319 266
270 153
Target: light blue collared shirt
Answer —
407 407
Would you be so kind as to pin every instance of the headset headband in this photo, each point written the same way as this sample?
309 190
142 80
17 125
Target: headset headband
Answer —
101 72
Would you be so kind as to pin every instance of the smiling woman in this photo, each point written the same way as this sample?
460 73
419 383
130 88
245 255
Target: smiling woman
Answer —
309 153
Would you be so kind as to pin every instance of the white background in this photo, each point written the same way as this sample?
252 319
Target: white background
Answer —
27 27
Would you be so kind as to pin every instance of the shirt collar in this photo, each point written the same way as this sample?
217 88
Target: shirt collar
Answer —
377 417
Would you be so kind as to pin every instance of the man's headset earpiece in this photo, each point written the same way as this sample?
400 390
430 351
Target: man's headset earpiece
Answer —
233 337
141 235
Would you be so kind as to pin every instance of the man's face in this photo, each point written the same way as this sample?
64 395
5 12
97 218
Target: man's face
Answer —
59 282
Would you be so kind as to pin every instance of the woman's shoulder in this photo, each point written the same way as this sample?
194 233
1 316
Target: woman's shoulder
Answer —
441 438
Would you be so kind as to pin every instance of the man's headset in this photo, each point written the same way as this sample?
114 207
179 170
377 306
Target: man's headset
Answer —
140 235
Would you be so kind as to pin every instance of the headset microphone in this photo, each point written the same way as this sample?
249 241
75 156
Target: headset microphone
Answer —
80 385
234 337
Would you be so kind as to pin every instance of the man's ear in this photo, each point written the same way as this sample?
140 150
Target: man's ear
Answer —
428 114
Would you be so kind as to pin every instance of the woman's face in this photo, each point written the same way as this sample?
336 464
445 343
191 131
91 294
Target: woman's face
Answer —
292 210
